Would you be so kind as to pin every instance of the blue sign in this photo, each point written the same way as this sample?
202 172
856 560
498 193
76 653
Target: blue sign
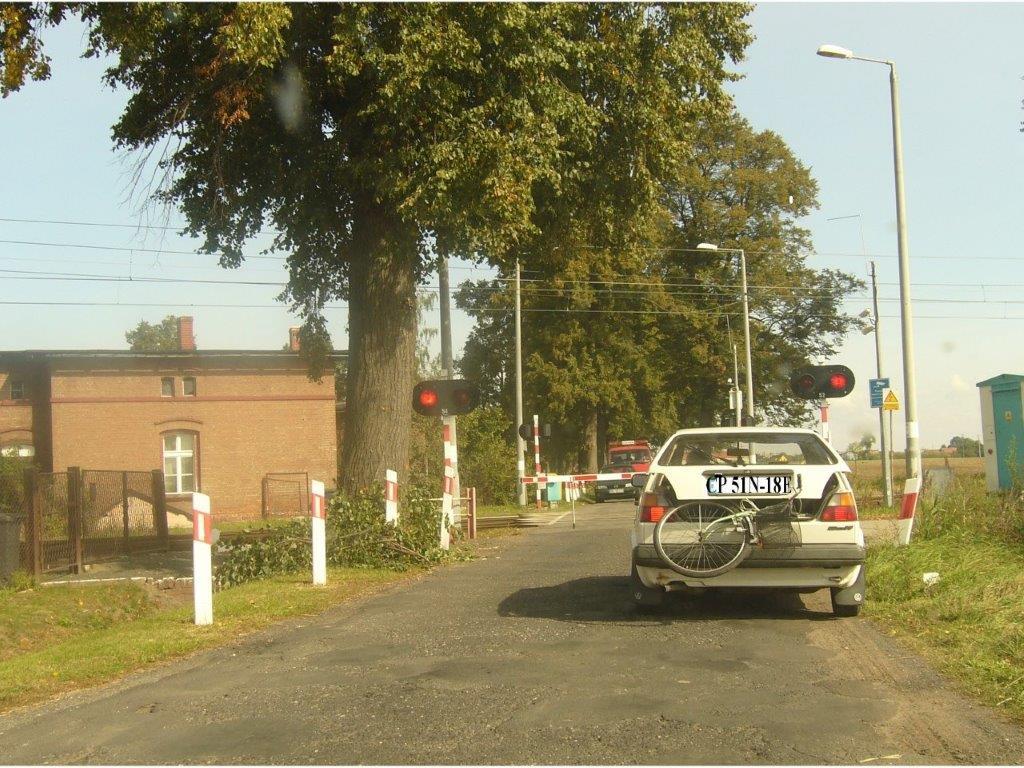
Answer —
878 387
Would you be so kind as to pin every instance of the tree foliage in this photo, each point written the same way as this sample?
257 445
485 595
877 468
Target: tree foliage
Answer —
635 339
376 137
154 337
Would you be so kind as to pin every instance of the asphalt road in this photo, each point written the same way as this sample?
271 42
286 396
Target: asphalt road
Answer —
533 655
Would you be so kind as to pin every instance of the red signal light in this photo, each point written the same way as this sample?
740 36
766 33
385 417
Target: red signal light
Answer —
837 381
428 398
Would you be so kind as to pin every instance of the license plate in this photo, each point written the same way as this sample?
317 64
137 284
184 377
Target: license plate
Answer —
749 485
616 490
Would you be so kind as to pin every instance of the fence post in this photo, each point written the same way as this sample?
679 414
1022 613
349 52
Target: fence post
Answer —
160 507
264 512
124 508
75 517
472 512
34 522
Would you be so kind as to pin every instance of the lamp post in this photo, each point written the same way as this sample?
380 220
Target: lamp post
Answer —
913 458
746 318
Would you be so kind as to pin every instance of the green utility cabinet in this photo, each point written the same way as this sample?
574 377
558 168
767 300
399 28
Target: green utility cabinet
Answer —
1002 425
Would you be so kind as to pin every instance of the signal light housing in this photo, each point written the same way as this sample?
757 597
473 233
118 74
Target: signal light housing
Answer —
445 397
826 381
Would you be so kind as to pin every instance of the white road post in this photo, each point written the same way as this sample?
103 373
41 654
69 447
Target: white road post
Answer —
826 428
391 496
202 558
318 524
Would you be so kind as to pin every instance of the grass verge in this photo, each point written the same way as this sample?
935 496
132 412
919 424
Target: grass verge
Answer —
970 624
58 639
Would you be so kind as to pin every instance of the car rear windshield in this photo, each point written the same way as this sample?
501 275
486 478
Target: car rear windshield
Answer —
625 457
743 450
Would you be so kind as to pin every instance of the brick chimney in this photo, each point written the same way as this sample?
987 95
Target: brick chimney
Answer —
293 339
186 337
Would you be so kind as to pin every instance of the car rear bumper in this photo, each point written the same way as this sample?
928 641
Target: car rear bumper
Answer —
803 556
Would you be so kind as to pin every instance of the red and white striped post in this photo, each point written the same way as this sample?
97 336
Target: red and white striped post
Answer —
905 524
472 513
391 496
448 429
536 453
318 527
572 486
202 558
826 429
446 506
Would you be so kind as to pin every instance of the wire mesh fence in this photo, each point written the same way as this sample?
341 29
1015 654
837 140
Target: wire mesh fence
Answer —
286 494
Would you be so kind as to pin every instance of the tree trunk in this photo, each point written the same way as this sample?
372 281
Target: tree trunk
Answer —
602 439
381 363
592 447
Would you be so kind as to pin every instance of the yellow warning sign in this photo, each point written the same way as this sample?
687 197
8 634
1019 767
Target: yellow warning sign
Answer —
891 402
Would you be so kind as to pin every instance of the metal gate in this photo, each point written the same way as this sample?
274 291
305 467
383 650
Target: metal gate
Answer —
285 494
78 517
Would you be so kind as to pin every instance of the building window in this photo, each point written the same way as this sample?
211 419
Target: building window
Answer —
18 450
17 390
180 462
188 386
167 386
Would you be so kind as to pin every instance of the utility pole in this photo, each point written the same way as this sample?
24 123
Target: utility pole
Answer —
883 454
736 396
520 443
447 362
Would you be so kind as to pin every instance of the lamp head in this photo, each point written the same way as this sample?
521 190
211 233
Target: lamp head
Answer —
834 52
707 247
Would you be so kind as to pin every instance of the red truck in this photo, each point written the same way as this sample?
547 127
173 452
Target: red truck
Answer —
636 453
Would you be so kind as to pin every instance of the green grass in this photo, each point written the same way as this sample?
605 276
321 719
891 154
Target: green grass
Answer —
56 639
970 624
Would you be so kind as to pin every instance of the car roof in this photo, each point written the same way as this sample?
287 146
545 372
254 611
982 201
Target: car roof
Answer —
745 431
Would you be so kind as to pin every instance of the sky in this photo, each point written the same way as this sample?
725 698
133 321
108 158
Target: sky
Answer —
960 67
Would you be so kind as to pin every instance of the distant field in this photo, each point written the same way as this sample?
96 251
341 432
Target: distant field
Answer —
872 468
867 479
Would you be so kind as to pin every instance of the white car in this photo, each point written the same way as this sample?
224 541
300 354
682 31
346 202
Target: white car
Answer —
739 507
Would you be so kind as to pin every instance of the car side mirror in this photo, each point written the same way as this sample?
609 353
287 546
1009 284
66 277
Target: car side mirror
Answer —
639 480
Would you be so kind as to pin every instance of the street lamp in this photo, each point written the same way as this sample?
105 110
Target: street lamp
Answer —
909 379
746 318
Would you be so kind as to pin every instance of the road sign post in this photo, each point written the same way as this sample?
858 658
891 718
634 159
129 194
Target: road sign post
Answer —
878 387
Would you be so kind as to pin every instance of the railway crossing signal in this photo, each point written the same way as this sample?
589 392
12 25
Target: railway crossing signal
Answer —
825 381
445 397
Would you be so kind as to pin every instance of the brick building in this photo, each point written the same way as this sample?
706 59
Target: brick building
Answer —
216 421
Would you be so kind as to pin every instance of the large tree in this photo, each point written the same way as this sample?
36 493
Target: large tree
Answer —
635 339
154 337
376 137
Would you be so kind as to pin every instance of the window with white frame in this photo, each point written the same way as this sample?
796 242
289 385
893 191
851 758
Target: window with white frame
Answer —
180 462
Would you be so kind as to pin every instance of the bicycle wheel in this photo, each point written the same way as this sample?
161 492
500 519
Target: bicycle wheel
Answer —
700 539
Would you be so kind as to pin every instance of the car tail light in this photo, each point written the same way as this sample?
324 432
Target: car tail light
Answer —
841 508
651 510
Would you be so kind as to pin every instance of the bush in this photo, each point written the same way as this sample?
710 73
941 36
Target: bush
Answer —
487 460
357 535
12 483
